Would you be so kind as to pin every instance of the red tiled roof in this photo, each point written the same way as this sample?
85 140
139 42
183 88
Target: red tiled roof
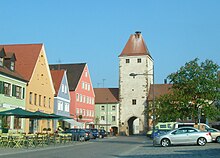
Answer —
57 76
106 95
157 90
135 46
14 74
26 57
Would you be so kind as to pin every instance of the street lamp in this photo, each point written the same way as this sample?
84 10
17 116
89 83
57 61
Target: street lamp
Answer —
136 74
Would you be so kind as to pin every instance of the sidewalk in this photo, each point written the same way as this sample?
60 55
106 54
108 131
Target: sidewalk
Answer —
6 151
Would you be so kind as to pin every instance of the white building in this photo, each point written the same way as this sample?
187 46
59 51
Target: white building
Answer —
135 77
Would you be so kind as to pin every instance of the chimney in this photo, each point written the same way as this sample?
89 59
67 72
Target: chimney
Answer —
137 34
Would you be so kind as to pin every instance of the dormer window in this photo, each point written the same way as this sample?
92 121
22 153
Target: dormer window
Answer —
2 55
1 61
12 67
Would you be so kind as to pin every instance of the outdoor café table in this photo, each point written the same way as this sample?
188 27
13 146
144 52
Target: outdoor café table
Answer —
42 139
4 139
16 140
31 140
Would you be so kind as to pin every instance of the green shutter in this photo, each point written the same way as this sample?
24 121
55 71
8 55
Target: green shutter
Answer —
1 87
23 92
13 90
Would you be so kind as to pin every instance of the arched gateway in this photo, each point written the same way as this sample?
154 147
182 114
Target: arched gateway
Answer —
135 77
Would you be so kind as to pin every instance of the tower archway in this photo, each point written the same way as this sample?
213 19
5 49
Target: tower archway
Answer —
133 125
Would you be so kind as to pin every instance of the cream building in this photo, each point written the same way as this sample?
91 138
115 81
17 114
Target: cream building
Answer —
135 77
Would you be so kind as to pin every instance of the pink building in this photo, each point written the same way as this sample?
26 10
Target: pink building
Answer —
82 106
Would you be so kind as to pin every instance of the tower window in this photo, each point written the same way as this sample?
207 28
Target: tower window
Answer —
139 60
127 60
134 102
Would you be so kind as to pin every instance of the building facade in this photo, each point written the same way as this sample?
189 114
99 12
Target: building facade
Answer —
61 98
12 91
135 76
32 64
107 109
82 104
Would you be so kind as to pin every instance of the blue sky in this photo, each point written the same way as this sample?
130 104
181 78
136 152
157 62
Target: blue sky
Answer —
96 31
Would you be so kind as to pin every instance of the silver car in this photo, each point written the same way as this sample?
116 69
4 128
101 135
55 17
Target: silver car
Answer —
183 135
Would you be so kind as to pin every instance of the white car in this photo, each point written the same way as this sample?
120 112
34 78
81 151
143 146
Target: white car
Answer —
183 135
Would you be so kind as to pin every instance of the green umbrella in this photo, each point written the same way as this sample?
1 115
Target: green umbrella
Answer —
18 112
42 115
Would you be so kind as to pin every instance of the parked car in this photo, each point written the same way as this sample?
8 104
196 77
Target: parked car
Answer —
78 134
95 133
89 133
215 134
102 133
158 132
183 135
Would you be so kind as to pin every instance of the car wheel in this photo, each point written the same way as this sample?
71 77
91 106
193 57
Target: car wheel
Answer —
218 139
165 142
201 141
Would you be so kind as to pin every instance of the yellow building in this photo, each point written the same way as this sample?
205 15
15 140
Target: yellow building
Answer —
32 64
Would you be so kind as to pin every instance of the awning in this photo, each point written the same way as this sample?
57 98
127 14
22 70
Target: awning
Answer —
74 123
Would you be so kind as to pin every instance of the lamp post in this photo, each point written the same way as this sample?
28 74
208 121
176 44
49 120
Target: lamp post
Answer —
153 104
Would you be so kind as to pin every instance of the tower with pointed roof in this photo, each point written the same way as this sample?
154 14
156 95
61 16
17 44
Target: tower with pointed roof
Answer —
135 77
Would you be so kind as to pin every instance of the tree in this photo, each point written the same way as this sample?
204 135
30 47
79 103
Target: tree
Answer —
195 86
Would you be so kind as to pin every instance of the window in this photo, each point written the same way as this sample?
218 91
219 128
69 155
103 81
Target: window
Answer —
83 85
17 123
39 100
88 87
67 107
113 107
86 74
102 117
62 88
35 99
139 60
44 101
7 88
12 66
18 92
30 97
113 118
49 102
77 97
134 102
103 108
80 111
60 105
1 61
127 60
81 99
77 111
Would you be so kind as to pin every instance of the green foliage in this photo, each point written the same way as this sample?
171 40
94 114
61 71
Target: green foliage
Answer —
194 86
